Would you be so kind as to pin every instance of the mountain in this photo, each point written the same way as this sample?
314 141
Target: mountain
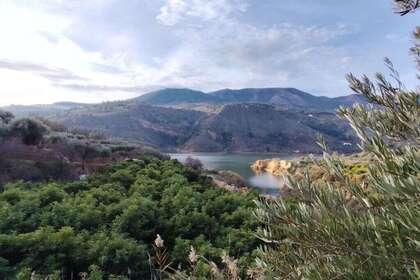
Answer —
348 100
42 110
212 102
176 97
246 120
289 98
153 126
244 127
263 128
286 98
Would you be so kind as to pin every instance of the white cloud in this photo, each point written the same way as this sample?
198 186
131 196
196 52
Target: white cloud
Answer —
226 52
38 60
175 11
215 50
90 51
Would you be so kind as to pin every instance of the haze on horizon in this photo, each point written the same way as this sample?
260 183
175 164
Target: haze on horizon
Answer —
100 50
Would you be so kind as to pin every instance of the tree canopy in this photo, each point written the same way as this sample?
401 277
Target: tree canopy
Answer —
110 221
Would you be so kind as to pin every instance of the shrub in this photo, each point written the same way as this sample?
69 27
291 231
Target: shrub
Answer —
232 178
110 219
31 131
194 163
5 117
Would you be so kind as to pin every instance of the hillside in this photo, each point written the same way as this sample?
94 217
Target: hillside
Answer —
165 128
247 120
41 110
263 128
236 128
39 150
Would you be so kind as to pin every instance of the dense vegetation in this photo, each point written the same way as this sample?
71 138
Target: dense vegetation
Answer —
111 219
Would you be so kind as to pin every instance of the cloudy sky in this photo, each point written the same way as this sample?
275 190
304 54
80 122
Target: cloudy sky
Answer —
96 50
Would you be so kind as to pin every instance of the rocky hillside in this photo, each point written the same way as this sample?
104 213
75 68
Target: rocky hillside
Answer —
236 128
263 128
247 120
165 128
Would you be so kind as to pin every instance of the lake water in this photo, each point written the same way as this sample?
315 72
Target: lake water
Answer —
240 163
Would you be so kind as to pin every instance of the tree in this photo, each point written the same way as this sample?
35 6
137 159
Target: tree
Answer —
85 151
368 230
6 117
31 131
110 222
404 7
194 163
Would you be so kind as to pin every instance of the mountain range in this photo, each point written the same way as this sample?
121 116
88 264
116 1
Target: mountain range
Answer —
247 120
286 98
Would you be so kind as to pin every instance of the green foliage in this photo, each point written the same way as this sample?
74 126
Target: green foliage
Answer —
110 220
360 230
356 169
30 130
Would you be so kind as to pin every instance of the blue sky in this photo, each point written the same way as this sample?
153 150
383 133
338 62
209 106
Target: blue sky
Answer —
98 50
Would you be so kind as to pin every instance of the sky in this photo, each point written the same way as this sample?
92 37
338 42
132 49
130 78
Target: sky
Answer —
101 50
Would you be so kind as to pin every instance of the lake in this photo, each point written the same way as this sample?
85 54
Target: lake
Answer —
240 163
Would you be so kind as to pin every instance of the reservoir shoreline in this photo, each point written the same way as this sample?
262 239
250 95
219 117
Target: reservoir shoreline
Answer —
240 163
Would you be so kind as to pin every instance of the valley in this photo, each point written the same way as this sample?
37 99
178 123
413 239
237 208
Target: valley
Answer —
209 139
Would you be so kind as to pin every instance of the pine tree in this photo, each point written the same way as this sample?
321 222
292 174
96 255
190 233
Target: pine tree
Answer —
369 230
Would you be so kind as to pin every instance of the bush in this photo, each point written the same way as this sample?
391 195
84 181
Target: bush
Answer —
232 178
31 131
110 220
194 163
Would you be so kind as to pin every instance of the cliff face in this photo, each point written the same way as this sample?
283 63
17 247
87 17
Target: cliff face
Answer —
275 167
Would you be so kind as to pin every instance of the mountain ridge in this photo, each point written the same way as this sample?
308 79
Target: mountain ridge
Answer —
244 127
288 98
245 120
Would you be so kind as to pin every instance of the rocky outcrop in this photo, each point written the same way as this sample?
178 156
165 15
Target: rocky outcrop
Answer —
277 167
230 181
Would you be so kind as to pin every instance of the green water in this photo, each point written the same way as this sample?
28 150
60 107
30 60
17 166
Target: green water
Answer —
240 163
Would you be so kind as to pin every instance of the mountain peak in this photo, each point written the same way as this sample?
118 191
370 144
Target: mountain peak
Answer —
171 96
